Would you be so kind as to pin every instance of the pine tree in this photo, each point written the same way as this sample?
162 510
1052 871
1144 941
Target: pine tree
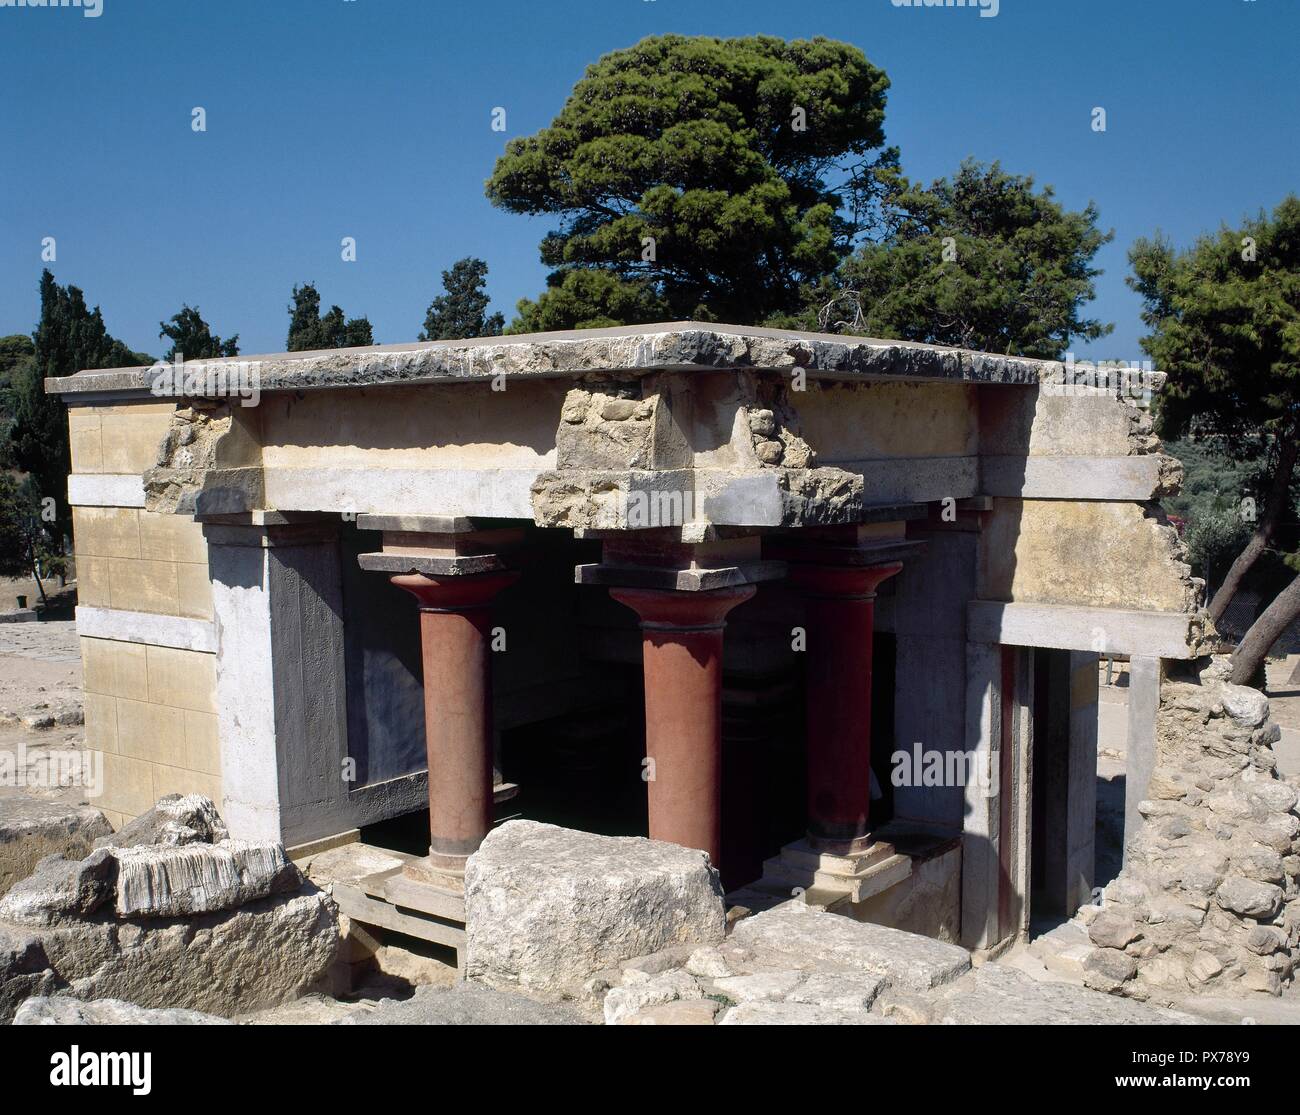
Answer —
462 311
192 338
310 330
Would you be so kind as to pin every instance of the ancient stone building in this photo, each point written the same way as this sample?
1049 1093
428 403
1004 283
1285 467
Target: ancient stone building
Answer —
829 608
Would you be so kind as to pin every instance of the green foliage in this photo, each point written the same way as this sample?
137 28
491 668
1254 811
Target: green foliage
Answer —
591 300
1226 329
28 545
191 337
13 350
16 351
709 177
309 329
1209 507
69 338
462 311
983 261
1214 538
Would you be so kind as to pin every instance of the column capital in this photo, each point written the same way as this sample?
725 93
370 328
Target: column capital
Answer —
679 610
853 582
456 592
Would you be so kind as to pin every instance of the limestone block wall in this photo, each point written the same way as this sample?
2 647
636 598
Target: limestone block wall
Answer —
1076 478
145 616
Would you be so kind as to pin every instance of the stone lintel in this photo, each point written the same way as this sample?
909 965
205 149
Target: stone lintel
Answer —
1177 635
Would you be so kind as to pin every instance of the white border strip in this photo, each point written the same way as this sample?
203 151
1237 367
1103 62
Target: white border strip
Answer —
1119 479
148 628
108 489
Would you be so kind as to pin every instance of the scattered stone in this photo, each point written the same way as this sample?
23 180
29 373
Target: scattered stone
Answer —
707 963
667 987
174 819
466 1004
24 970
171 881
222 928
682 1012
63 1010
996 995
812 937
760 1013
32 828
226 962
656 962
1113 930
760 985
1107 970
61 888
838 992
547 907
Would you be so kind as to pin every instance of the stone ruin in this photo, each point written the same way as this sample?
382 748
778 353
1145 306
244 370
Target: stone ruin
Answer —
1208 900
633 932
169 912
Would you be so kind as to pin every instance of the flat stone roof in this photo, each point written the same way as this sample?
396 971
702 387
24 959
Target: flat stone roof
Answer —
671 346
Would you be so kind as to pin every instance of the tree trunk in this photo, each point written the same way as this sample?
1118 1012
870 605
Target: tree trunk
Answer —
1265 531
1264 632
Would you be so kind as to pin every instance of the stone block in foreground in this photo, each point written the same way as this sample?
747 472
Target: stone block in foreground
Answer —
810 937
545 907
63 1010
31 829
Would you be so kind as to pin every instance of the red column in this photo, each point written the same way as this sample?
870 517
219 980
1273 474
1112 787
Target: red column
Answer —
840 619
455 638
682 660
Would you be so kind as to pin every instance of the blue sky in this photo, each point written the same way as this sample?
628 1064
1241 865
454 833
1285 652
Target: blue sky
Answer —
371 119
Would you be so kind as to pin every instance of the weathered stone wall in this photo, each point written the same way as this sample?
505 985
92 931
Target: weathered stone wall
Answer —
149 707
1208 897
1090 553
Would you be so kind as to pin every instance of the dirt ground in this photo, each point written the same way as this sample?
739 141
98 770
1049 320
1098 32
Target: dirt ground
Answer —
40 679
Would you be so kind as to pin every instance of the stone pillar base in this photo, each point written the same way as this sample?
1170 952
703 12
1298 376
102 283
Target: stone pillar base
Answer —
438 871
828 878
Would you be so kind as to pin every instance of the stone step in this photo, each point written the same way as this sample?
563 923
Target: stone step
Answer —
368 910
856 887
